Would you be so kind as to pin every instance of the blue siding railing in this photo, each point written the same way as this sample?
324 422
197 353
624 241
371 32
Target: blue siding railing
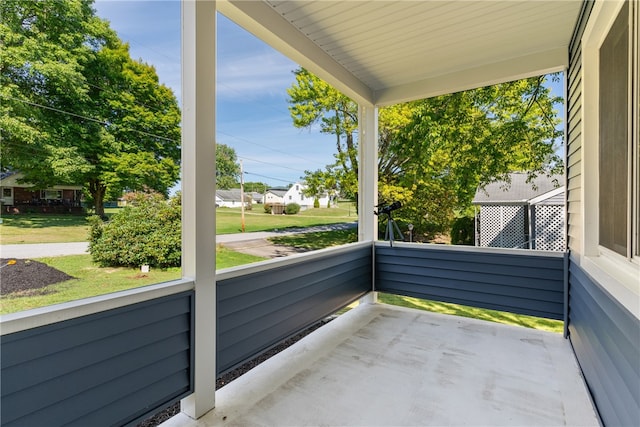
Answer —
259 309
606 339
518 281
109 368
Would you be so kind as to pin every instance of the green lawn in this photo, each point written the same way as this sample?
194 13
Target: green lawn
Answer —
92 280
320 240
56 228
473 312
229 220
43 228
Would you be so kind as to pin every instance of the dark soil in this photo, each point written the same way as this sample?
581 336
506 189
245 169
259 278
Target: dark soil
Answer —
27 277
174 409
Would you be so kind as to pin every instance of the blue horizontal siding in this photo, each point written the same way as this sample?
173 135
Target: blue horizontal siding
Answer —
518 281
256 311
109 368
606 340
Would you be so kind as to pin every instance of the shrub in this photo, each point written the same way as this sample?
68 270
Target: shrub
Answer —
292 209
462 231
267 208
316 203
146 231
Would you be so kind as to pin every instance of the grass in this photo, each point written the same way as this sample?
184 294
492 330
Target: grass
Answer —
228 220
319 240
43 228
92 280
473 312
56 228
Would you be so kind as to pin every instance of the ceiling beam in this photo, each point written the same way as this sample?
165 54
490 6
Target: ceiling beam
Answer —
535 64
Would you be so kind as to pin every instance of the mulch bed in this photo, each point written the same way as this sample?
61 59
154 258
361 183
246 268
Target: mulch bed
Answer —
27 277
174 409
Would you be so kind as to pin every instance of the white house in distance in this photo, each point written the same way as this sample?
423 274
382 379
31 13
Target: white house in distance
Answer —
231 198
295 194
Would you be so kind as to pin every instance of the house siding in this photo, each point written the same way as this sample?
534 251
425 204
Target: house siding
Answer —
110 368
258 310
604 334
509 280
606 339
574 133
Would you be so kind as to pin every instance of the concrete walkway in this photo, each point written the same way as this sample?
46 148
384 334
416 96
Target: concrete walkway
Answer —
255 240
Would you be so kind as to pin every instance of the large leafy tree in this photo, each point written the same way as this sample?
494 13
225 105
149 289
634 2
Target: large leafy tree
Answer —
316 103
227 168
76 109
434 153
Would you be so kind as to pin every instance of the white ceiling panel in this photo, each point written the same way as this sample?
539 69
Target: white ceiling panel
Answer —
383 52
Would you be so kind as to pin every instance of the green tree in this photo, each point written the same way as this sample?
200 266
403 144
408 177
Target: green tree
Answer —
314 102
434 153
227 167
452 144
77 109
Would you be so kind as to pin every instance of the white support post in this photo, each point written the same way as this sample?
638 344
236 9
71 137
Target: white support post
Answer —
368 181
367 172
198 192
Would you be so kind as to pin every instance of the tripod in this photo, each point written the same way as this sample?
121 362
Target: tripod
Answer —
392 230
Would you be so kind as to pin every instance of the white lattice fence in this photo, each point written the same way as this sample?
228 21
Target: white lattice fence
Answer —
502 226
549 227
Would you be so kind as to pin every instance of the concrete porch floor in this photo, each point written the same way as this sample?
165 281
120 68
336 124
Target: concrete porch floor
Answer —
380 365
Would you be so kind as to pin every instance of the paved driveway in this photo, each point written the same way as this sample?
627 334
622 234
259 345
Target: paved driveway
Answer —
40 250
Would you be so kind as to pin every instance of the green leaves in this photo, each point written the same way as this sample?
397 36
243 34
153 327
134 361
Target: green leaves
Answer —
75 106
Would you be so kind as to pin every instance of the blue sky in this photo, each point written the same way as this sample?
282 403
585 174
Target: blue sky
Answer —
252 79
252 115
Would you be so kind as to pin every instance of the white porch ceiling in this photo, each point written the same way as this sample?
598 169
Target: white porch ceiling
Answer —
384 52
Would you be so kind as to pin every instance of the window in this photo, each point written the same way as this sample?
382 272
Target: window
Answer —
618 138
6 192
51 194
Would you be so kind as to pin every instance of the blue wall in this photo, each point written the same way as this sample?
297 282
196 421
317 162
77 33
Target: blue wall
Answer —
517 281
110 368
606 339
258 310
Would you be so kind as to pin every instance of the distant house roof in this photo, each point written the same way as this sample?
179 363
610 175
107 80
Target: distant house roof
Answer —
231 195
518 191
277 191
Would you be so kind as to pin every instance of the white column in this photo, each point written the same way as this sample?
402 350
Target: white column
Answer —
198 191
367 172
368 181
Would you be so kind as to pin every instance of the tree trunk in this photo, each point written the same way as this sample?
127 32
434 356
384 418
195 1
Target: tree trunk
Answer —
97 190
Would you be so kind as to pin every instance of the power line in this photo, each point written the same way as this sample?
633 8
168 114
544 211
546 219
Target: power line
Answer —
35 104
288 181
265 146
271 164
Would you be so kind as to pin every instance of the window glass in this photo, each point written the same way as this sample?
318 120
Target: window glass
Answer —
614 136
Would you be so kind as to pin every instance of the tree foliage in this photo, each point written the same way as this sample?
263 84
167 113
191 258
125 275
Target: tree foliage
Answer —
316 103
434 153
76 109
227 167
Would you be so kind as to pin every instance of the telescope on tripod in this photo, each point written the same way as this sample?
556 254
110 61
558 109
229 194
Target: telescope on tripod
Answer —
392 229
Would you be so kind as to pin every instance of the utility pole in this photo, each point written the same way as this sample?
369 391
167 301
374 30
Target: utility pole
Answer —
242 195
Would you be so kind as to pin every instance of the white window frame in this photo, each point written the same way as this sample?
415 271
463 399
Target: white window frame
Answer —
618 274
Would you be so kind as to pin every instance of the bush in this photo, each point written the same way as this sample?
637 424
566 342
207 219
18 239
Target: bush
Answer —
146 231
316 203
462 231
267 208
292 209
